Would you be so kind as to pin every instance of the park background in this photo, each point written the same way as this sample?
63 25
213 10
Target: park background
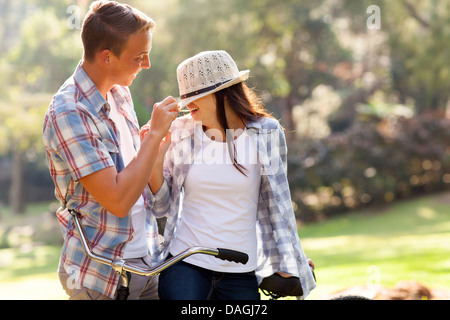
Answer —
361 87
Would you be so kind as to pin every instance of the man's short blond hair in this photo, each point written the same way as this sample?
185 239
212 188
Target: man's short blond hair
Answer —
108 25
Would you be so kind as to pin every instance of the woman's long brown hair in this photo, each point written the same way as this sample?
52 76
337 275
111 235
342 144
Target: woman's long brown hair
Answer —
245 103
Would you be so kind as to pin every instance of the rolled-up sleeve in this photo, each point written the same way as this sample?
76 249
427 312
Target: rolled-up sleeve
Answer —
159 203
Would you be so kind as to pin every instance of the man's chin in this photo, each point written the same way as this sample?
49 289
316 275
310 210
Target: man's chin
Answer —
125 83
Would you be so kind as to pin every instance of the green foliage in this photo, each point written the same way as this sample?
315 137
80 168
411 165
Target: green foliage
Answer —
418 37
45 57
373 162
22 116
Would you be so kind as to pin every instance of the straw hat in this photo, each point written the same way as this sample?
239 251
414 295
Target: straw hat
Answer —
206 73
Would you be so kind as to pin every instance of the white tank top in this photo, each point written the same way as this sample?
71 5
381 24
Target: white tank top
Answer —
138 246
220 204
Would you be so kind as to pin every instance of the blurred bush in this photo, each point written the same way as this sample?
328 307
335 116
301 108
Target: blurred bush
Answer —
39 227
375 161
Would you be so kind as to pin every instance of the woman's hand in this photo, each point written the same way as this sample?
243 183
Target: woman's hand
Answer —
311 263
144 131
287 275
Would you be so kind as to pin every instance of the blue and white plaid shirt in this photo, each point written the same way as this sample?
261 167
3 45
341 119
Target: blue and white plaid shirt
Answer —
80 138
278 241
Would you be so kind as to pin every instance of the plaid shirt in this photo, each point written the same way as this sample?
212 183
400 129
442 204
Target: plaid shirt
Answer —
279 247
80 139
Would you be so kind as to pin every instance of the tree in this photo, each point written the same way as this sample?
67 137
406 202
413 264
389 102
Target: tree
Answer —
46 53
38 62
20 134
418 38
300 51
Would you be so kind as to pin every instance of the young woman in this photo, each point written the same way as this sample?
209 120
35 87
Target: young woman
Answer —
221 179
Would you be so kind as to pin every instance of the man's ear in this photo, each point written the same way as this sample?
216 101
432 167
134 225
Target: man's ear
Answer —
104 57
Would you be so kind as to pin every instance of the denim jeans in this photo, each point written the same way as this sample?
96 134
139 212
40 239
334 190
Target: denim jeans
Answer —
184 281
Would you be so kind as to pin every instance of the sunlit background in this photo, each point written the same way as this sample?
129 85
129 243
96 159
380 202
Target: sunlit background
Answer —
361 87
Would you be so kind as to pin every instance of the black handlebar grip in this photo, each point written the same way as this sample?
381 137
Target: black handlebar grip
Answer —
231 255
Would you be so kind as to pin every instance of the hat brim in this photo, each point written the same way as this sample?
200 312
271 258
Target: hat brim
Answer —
243 76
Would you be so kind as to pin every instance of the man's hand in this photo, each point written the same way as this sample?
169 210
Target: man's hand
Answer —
162 117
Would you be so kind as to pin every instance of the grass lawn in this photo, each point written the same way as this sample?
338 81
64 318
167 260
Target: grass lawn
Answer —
408 240
30 274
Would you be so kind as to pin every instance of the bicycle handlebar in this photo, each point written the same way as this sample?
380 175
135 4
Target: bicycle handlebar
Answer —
232 255
120 265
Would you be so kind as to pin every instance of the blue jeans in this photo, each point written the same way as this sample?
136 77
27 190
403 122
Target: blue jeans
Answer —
184 281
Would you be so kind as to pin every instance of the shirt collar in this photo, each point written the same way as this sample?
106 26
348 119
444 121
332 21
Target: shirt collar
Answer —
121 101
254 124
93 96
88 88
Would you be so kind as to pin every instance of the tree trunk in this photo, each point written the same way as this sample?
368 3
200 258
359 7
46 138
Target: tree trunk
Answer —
288 121
16 190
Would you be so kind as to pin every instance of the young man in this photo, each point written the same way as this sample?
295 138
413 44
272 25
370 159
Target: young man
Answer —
96 160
